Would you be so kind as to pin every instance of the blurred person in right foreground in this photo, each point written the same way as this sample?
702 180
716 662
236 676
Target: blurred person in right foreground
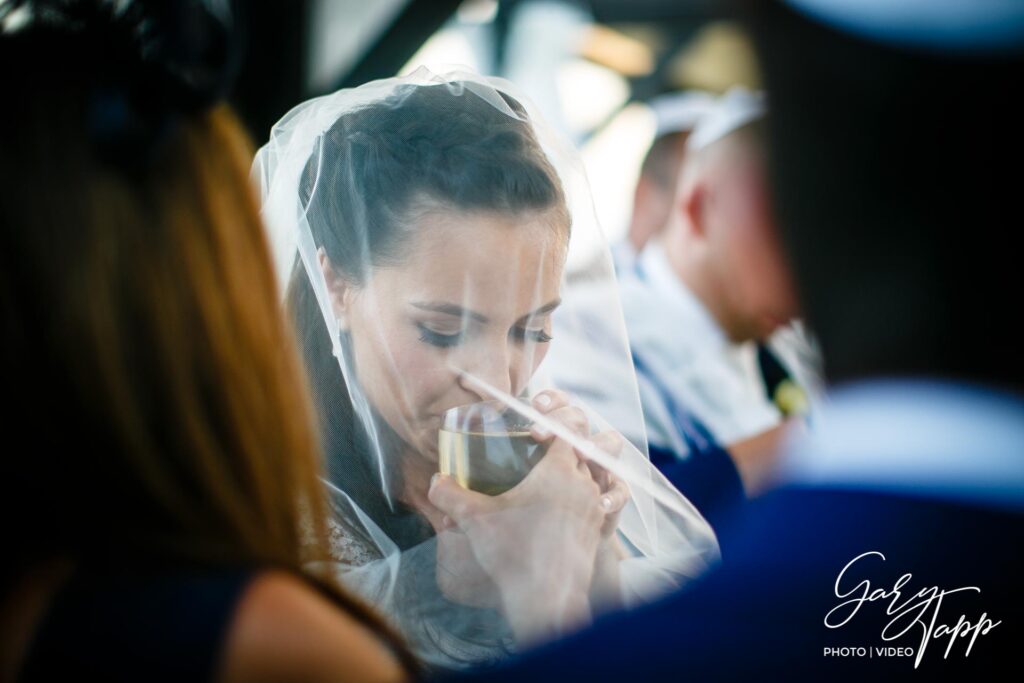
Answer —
893 541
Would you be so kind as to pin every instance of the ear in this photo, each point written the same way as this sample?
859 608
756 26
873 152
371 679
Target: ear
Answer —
338 289
640 222
692 205
639 195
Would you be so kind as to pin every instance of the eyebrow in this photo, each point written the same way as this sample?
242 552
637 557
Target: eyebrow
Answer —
460 312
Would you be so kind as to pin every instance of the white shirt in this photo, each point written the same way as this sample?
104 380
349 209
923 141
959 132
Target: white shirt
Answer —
685 355
623 255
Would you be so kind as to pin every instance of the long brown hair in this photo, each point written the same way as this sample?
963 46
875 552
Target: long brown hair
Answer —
160 409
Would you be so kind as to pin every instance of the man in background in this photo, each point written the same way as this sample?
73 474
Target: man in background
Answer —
709 283
704 292
675 116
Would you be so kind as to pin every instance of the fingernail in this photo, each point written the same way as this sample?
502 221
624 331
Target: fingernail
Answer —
606 503
543 400
434 479
542 431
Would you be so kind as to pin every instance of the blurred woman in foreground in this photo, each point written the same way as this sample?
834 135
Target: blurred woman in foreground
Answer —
157 518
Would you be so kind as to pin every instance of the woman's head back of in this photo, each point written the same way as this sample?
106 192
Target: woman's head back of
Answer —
164 422
160 412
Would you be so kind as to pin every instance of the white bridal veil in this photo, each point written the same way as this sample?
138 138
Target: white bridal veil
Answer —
439 249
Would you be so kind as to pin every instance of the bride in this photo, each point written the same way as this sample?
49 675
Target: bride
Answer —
426 226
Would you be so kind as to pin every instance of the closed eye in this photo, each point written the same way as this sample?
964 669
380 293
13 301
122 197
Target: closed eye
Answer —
538 336
443 341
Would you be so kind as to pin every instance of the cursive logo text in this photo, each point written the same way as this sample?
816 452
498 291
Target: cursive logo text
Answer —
909 611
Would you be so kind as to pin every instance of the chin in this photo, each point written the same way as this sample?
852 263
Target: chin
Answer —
767 324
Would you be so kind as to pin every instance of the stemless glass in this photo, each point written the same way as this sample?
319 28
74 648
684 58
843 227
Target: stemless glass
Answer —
487 447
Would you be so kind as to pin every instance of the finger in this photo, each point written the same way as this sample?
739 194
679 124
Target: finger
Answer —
550 399
598 473
559 453
569 416
448 524
615 497
609 442
453 500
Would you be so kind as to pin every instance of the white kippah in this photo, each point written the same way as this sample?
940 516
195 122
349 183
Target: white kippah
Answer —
680 112
945 25
731 111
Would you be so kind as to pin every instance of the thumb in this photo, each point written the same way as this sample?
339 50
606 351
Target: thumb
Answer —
453 500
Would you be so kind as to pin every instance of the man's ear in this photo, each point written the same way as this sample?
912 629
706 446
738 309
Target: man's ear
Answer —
640 225
339 290
692 205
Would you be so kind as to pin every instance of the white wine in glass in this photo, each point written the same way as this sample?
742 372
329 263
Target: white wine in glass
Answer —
486 447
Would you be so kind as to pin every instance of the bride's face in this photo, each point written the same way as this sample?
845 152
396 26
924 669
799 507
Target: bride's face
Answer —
473 294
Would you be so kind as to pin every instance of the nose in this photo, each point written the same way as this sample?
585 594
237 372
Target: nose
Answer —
495 365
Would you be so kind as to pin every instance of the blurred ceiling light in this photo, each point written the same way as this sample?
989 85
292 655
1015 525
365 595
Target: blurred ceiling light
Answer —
654 37
612 159
443 51
615 50
14 18
340 31
719 57
477 11
589 94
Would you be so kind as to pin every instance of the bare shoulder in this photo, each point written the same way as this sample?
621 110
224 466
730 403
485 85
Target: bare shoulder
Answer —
284 630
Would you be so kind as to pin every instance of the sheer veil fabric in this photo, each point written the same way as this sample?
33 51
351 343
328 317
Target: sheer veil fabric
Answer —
438 247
